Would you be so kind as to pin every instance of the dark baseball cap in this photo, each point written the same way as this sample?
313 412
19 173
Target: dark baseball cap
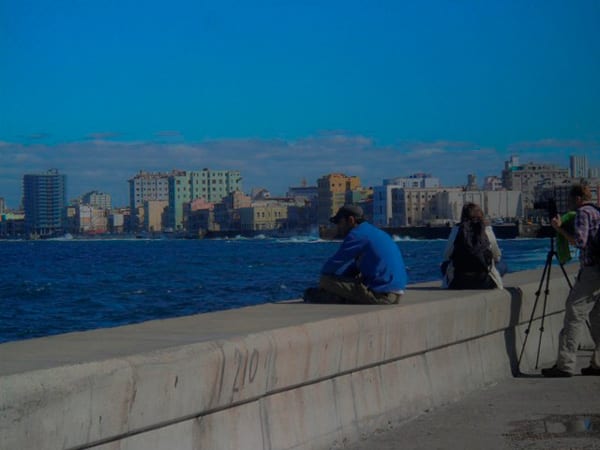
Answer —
347 211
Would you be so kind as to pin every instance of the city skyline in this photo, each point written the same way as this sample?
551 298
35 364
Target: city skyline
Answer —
283 92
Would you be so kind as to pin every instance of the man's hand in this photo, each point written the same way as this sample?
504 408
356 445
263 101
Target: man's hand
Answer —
556 222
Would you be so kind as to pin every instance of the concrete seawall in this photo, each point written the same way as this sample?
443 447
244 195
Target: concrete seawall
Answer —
277 376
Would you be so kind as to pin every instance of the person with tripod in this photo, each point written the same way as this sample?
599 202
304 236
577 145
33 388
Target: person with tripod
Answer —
583 301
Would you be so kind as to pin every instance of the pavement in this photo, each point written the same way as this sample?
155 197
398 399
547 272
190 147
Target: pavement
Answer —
527 412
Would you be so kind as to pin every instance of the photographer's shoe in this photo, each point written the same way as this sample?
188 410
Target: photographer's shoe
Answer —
590 371
555 372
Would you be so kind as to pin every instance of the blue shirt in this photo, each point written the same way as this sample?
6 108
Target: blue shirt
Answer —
372 253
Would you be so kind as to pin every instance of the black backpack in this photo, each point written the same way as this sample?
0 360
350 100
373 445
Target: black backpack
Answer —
472 253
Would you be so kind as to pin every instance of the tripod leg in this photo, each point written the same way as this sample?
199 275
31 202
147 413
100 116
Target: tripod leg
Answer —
546 292
562 267
537 296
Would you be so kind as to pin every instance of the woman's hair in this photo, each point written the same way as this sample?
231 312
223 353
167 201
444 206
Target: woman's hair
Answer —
472 218
471 212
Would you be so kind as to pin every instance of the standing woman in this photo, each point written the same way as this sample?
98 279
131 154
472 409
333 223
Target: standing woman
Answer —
471 253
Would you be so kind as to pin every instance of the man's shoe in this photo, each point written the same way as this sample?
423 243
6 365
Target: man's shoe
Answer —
310 295
590 371
555 372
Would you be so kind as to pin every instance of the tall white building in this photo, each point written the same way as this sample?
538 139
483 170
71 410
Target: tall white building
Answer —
147 186
578 166
386 198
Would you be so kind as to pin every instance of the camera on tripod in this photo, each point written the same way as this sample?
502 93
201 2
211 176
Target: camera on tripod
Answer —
549 205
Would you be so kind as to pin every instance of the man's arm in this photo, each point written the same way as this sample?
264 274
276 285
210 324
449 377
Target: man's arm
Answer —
580 235
346 254
556 224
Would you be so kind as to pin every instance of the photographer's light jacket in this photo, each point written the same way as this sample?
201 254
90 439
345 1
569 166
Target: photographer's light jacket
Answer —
496 254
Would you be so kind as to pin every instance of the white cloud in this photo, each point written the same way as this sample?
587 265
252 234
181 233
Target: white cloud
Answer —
275 164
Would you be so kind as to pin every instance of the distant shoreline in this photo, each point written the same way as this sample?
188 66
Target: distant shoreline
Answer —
503 231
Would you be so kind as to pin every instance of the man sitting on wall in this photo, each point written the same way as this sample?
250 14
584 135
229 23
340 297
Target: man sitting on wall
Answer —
368 268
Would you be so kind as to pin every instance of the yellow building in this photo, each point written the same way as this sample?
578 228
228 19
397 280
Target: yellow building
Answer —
154 215
333 190
263 216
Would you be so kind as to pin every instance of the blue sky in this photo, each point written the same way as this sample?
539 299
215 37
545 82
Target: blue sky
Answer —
286 90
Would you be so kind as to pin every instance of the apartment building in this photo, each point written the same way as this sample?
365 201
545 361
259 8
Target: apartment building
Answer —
155 215
417 206
211 185
146 186
264 215
332 194
85 218
97 199
387 203
526 177
492 183
578 166
44 202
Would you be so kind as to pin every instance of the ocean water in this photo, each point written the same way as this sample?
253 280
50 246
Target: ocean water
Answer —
57 286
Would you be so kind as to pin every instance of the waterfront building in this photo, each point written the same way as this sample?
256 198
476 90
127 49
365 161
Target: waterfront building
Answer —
214 185
388 203
578 166
12 225
116 221
98 200
264 216
332 194
146 186
2 205
417 206
526 177
211 185
506 205
226 212
180 192
44 202
199 217
472 182
303 214
404 204
154 215
87 219
492 183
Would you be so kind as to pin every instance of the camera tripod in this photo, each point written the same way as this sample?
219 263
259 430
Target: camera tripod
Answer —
545 278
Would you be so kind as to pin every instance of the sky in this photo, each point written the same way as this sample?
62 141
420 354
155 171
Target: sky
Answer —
287 91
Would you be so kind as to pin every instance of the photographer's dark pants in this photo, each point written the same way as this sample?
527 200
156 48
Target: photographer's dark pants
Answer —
583 303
